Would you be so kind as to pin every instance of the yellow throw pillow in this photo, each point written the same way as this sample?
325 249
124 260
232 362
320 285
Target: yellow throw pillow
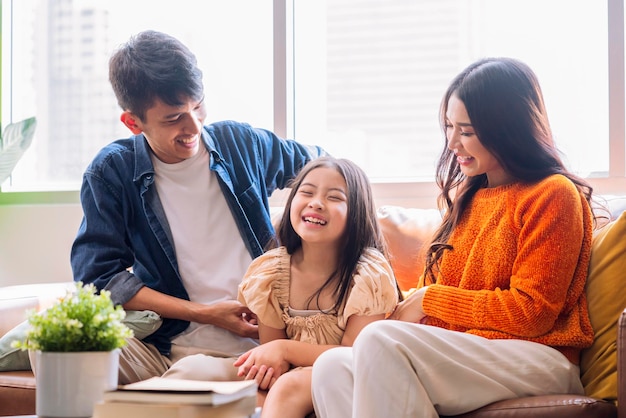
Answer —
607 300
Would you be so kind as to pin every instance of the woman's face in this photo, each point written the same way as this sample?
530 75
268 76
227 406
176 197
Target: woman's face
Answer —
473 158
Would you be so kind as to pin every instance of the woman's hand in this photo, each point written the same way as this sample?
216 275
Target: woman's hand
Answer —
410 309
264 363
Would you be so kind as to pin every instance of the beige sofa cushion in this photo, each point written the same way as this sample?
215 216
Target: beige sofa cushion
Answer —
407 232
15 301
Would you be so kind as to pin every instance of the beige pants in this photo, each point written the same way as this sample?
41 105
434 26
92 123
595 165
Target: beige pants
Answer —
399 369
140 361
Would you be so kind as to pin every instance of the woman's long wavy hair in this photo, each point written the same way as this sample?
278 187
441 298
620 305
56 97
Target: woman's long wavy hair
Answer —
505 105
362 230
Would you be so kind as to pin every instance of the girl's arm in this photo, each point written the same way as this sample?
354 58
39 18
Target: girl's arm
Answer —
267 334
354 326
299 353
276 353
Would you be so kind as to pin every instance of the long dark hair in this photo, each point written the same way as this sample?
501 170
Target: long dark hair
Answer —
505 104
362 230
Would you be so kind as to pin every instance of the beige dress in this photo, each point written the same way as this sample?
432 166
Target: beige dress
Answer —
265 290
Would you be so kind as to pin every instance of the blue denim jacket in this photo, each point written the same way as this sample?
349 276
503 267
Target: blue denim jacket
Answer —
124 241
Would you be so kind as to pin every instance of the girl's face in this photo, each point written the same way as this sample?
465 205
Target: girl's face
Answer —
319 207
472 156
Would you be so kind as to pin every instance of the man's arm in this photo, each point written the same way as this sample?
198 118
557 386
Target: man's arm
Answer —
230 314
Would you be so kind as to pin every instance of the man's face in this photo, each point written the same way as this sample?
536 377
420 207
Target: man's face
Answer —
173 132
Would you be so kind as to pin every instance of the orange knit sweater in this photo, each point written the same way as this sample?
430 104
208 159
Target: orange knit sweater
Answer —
518 267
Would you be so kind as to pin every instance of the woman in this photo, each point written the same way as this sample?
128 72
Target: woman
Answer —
501 310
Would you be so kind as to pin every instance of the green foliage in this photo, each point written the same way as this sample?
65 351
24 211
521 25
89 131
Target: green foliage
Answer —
14 141
82 320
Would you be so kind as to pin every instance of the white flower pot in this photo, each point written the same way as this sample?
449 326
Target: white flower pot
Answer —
69 384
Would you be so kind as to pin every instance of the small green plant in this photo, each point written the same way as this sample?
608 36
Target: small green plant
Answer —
82 320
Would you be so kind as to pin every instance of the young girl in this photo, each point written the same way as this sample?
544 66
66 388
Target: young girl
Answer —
327 280
502 311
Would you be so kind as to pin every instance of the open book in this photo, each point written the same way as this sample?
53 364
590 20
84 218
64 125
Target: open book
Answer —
159 390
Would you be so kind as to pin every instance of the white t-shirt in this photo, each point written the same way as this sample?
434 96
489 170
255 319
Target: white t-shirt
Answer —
212 256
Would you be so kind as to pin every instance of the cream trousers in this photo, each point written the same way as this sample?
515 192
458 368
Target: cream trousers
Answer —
400 369
139 361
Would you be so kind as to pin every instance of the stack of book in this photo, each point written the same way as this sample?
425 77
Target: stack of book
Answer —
178 398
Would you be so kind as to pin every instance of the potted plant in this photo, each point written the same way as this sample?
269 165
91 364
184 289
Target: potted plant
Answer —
74 347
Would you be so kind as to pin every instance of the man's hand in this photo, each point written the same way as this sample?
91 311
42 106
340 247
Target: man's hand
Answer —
230 315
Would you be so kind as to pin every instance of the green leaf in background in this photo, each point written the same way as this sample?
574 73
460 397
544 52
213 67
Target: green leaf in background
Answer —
15 139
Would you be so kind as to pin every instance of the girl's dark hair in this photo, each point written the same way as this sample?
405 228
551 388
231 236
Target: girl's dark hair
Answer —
153 65
505 105
362 230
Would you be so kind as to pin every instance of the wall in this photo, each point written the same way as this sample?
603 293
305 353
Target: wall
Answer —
35 242
37 229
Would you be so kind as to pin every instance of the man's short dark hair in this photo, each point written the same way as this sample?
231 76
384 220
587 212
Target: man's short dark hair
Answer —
153 65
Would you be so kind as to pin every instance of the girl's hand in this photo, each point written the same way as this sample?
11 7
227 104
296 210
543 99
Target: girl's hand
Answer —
410 309
264 363
263 375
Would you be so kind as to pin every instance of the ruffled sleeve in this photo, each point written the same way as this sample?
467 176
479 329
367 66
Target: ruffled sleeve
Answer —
374 291
265 281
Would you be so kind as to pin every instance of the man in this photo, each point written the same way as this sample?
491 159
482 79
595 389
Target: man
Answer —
174 214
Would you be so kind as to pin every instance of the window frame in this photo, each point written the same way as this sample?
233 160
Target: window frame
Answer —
406 193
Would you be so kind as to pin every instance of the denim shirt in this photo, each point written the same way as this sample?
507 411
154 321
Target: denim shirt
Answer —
124 241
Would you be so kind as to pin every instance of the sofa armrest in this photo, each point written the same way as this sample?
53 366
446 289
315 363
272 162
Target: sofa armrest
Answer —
13 312
15 301
621 366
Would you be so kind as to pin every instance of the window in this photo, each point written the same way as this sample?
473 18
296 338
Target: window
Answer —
55 67
363 78
370 74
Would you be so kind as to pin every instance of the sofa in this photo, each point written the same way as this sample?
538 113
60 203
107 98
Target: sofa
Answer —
603 366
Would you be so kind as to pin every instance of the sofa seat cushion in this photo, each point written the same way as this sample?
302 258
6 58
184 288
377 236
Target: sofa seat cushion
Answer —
17 393
23 379
547 406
